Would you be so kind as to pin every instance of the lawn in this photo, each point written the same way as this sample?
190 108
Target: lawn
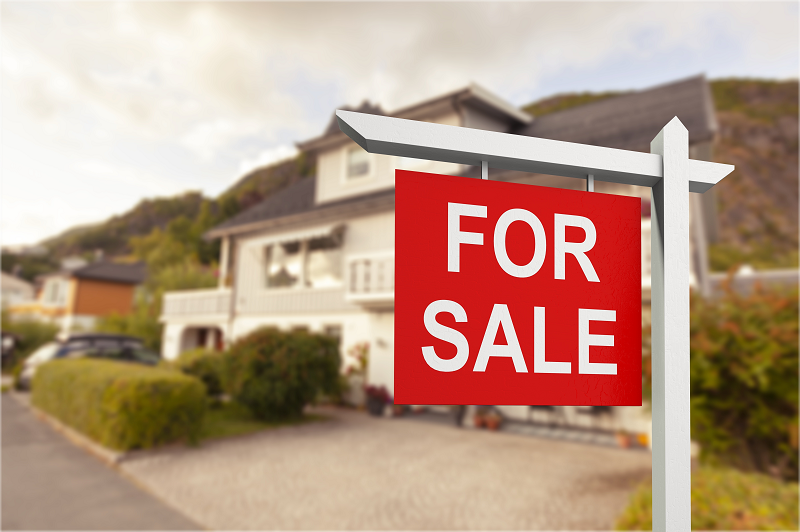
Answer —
224 420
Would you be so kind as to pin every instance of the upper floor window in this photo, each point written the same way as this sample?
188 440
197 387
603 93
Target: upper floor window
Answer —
311 263
284 262
357 163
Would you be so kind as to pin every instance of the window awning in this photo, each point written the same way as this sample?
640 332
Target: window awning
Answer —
302 234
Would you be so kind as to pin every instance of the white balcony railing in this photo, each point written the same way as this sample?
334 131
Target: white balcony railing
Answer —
212 302
370 279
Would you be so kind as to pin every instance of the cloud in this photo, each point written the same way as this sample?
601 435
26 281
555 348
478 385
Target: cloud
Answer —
267 157
174 94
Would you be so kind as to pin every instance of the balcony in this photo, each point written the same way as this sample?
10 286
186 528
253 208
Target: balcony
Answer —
215 302
370 280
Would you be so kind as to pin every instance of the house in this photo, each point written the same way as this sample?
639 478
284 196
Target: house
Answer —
319 255
75 299
15 290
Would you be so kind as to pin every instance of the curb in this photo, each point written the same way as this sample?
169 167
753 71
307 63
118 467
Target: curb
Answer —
109 456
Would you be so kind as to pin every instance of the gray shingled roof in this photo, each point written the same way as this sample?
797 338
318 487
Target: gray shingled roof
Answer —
295 199
134 273
632 120
626 122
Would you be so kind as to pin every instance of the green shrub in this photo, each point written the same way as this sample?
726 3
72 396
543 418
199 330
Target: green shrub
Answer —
122 406
205 364
275 374
725 499
744 381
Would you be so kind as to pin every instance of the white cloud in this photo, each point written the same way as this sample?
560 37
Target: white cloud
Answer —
267 157
171 94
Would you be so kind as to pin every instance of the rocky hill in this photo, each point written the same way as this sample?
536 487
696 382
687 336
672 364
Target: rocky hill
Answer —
758 202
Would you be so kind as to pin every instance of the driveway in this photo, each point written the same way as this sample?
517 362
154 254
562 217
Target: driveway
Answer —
354 472
49 484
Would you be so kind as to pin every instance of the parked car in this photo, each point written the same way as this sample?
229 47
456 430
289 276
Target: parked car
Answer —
96 345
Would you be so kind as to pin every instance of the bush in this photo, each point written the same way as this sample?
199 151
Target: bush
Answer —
275 374
122 406
204 364
725 499
744 381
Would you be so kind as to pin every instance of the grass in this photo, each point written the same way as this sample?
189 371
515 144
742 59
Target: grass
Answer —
725 499
224 420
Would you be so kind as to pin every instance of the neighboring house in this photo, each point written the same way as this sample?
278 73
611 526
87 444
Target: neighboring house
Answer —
319 254
75 299
15 290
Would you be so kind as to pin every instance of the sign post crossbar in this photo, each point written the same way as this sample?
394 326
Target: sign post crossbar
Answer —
671 175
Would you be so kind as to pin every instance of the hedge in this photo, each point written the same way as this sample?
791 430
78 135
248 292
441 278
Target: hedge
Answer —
204 364
120 405
744 381
724 499
275 374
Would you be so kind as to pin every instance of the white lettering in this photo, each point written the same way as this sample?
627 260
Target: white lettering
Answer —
585 340
437 330
500 316
456 237
577 249
540 365
540 243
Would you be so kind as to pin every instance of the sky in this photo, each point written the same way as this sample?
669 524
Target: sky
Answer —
103 104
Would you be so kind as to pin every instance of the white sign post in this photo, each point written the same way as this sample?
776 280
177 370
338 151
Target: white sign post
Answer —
671 175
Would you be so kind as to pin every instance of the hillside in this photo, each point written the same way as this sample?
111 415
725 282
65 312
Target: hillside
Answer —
758 203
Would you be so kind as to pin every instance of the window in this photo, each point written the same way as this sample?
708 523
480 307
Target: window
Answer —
357 163
312 263
284 264
324 262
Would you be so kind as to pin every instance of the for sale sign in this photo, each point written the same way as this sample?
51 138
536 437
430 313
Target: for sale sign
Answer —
510 294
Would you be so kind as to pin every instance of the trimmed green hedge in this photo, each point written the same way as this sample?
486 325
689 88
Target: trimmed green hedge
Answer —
122 406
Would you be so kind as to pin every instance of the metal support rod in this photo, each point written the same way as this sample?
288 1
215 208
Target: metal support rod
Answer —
590 183
672 506
485 170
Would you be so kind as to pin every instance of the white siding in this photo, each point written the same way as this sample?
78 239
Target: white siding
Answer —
331 168
363 235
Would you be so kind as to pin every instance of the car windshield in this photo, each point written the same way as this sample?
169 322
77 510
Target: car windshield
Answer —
146 356
43 354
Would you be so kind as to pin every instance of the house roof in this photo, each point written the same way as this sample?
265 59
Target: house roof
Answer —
8 281
472 95
124 273
297 199
629 121
632 120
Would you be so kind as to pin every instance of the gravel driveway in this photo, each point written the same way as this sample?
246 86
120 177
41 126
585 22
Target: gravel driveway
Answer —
357 472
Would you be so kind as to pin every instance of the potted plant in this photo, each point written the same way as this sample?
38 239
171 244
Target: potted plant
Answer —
481 413
493 420
377 398
623 438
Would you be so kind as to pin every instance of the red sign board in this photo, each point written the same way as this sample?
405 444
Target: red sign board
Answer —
511 294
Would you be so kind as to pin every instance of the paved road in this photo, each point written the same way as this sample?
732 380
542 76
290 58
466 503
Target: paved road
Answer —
49 484
354 472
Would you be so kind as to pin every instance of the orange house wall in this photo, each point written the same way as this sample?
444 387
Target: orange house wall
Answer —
99 298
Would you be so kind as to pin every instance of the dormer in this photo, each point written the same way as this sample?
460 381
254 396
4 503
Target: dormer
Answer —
344 169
